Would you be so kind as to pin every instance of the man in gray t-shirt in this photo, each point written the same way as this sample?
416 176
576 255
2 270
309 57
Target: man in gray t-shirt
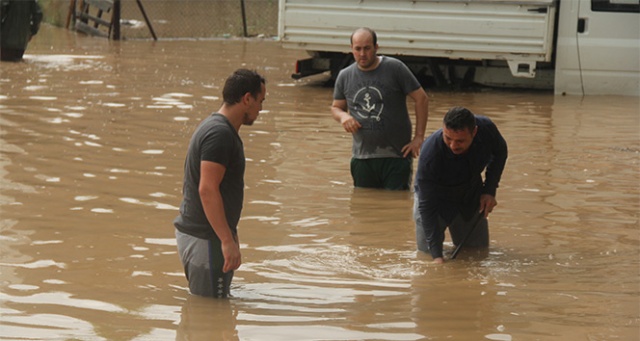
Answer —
370 101
213 188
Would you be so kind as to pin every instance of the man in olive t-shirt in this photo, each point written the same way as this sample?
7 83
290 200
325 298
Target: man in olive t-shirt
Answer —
370 101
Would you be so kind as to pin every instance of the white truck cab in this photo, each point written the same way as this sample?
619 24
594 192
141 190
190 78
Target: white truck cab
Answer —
598 48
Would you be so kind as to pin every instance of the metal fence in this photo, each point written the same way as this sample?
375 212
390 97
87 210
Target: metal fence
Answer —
199 18
172 19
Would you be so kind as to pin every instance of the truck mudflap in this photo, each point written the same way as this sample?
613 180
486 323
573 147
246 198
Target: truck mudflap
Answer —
321 63
310 66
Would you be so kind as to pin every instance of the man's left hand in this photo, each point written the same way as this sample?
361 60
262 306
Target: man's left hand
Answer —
487 203
413 147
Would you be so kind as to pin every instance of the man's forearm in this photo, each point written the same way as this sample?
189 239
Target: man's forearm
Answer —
214 211
422 115
339 114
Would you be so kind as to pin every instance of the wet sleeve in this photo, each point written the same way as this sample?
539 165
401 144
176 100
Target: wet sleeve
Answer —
338 89
499 154
427 199
407 80
216 147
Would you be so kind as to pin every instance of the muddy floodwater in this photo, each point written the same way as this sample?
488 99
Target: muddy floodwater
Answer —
93 136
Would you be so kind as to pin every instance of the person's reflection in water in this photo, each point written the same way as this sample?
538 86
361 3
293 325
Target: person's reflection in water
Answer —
203 318
457 301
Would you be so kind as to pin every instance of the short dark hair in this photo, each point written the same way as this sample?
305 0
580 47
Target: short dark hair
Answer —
366 29
459 118
241 82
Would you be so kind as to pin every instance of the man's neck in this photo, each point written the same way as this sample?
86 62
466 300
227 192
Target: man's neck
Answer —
373 66
230 113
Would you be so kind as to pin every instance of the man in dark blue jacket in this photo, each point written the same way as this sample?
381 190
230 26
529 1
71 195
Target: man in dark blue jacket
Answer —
450 191
20 21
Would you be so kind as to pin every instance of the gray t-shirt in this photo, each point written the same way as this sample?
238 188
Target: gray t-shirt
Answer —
378 100
214 140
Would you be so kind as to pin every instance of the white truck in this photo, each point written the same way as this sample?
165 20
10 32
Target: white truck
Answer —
577 47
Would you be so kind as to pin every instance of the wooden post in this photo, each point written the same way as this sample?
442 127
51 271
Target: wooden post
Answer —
115 19
146 19
72 13
244 18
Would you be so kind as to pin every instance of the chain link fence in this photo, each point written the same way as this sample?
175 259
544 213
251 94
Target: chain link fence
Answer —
175 19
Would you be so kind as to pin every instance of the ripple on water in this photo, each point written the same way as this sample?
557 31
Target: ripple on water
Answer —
101 210
85 197
91 82
161 241
39 264
18 326
153 151
114 105
63 299
157 205
315 332
315 276
44 98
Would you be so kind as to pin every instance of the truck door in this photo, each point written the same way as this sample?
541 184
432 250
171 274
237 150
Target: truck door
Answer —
609 47
598 50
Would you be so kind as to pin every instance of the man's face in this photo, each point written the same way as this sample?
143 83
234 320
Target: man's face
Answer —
363 50
458 141
254 107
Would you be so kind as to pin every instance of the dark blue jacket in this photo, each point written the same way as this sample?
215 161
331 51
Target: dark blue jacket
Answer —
447 184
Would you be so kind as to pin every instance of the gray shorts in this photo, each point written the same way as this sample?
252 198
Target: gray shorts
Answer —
202 261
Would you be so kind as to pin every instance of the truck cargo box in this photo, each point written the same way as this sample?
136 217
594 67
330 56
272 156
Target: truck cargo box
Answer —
586 47
519 32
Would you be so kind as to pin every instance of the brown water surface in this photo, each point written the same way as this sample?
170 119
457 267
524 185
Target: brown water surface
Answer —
92 141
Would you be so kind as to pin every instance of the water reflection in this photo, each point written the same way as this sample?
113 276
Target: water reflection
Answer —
92 142
221 321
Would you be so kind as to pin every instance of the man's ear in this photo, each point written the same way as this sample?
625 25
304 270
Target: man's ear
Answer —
246 99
